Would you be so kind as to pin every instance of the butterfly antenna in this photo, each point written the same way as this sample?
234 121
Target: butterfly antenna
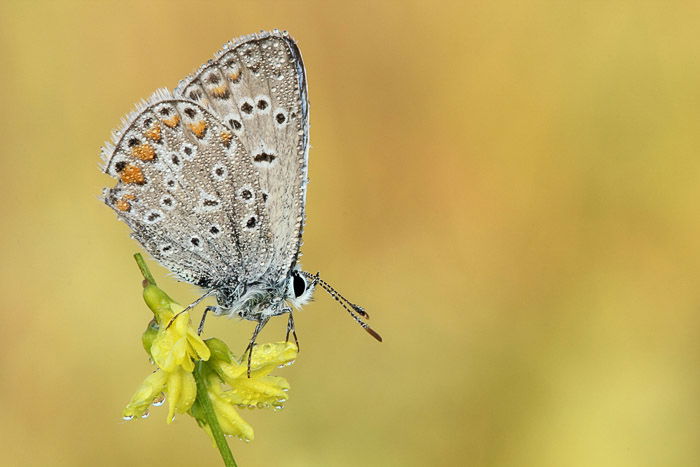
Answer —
350 307
335 294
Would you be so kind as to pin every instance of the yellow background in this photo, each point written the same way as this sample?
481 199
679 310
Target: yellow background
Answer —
512 189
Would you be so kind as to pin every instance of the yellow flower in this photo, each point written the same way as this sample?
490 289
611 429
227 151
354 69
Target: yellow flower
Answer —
174 346
203 378
260 390
178 344
150 390
228 384
179 385
226 414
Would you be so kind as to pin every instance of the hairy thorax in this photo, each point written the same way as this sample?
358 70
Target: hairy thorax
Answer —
258 302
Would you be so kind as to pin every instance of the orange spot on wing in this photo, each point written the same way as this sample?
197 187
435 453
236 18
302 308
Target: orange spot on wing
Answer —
145 152
129 197
234 76
199 128
153 133
221 92
123 205
226 138
132 174
172 121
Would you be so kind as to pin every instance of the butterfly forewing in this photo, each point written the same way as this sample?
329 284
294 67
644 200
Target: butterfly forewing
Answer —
188 189
257 88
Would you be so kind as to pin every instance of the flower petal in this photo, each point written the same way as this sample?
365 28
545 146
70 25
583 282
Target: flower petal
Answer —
162 350
261 392
267 357
144 396
231 423
178 345
182 391
197 347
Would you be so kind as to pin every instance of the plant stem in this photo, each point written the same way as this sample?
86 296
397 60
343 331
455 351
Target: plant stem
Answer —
144 269
210 417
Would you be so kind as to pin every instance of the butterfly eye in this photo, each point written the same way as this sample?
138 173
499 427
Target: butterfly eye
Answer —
299 285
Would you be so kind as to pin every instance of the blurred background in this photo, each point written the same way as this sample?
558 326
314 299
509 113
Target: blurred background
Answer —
510 188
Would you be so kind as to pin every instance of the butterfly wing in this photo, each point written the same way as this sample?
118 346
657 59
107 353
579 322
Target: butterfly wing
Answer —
256 86
188 189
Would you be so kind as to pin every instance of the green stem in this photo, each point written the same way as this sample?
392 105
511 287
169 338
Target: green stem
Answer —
210 417
144 269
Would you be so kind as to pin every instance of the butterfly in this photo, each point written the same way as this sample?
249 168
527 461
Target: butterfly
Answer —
212 178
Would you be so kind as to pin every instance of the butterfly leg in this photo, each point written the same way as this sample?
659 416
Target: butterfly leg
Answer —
290 328
200 328
190 306
251 344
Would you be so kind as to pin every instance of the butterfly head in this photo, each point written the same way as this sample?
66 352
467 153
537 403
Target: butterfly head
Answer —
299 289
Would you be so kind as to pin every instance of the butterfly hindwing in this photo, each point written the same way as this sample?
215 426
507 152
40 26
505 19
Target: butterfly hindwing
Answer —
188 190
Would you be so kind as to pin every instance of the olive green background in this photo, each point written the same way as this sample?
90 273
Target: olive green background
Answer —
510 188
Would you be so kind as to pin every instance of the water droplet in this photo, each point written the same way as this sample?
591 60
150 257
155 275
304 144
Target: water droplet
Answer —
158 401
146 414
128 417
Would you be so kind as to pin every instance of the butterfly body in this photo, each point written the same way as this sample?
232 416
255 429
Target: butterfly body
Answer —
258 302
